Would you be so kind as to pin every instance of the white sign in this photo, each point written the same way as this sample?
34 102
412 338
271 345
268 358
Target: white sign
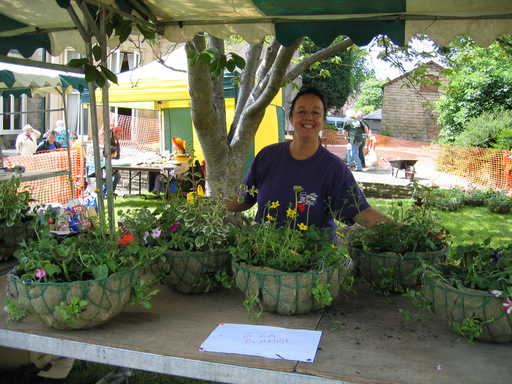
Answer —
264 341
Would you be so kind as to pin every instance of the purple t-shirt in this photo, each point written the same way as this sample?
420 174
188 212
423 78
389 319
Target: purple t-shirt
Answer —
328 186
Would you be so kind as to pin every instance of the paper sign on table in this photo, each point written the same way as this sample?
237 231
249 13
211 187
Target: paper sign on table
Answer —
264 341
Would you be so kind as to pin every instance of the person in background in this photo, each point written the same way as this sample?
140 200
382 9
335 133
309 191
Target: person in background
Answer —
328 187
354 132
60 130
26 142
366 130
49 143
115 152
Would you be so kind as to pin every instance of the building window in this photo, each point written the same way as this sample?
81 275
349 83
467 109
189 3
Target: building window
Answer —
12 111
119 61
430 84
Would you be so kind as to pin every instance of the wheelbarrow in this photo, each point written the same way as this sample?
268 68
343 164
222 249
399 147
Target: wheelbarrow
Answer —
406 165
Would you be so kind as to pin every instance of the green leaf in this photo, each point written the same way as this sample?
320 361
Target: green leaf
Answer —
78 62
146 32
100 271
96 51
109 74
123 30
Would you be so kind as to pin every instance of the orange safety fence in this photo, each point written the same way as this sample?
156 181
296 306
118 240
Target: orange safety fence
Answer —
138 133
482 167
53 189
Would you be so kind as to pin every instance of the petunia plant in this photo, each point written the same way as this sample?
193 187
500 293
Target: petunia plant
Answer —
293 246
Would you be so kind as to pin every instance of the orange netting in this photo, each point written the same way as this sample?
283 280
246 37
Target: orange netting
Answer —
53 189
138 133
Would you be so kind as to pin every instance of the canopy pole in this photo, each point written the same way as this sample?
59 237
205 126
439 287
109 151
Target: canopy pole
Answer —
68 149
107 132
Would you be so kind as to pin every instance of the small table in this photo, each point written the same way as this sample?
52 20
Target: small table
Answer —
137 171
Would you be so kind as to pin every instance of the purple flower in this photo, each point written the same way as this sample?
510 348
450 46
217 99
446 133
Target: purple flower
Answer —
507 305
40 273
156 233
174 227
495 258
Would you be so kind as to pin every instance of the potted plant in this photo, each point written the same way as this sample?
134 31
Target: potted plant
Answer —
16 221
290 269
474 291
388 255
195 234
78 281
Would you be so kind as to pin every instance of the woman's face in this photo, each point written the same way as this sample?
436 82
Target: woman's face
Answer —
308 116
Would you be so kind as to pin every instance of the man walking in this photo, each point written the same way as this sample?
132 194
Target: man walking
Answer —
354 132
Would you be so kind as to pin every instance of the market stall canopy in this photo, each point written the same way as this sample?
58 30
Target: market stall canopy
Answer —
17 79
26 25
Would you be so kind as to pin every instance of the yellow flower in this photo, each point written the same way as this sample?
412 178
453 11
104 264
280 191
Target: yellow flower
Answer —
297 188
340 234
190 197
334 246
291 213
270 218
274 204
302 227
200 190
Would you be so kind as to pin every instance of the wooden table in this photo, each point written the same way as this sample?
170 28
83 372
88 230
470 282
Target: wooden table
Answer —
364 340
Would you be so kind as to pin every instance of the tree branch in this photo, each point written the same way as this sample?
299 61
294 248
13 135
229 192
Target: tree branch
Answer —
263 74
300 67
246 83
218 84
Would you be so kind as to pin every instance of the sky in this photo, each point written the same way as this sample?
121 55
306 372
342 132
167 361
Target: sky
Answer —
384 70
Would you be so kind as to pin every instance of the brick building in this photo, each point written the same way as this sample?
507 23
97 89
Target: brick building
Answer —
407 111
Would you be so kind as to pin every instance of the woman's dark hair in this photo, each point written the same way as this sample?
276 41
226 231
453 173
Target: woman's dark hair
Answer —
309 91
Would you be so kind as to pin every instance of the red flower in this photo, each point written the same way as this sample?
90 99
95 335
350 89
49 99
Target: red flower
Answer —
438 236
126 239
300 207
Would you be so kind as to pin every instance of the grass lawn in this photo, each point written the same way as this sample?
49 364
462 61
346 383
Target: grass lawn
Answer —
467 225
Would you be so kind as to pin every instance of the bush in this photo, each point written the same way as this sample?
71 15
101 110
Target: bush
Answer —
499 203
489 130
448 199
477 197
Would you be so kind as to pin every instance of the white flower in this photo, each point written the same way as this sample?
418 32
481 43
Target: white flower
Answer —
145 237
496 293
156 233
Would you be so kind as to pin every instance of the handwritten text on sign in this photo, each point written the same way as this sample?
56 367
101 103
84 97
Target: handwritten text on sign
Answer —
264 341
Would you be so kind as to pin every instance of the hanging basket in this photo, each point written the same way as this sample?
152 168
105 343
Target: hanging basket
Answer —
194 272
105 298
393 272
456 304
288 293
11 237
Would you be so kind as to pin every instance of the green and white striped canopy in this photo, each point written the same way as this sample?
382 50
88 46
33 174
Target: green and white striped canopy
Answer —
26 25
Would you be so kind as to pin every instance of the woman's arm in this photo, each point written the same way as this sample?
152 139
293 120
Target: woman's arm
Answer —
236 206
370 217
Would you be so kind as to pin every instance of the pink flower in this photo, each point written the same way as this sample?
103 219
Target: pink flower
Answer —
40 273
174 227
507 305
156 233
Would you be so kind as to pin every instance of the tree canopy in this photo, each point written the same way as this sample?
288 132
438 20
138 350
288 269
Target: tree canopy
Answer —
338 76
369 97
479 80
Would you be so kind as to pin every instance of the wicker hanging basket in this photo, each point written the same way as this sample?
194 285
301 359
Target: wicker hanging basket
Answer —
288 293
105 298
194 272
392 271
456 304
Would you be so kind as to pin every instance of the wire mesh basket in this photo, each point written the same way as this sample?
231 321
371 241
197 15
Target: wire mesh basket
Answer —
105 298
289 293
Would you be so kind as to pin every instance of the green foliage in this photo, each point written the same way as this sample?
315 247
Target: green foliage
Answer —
14 204
480 80
142 292
415 228
85 256
321 293
69 312
470 328
499 203
216 61
369 97
337 77
253 306
491 129
448 199
195 223
14 312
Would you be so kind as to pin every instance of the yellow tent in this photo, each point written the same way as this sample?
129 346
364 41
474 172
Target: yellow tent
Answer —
155 87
